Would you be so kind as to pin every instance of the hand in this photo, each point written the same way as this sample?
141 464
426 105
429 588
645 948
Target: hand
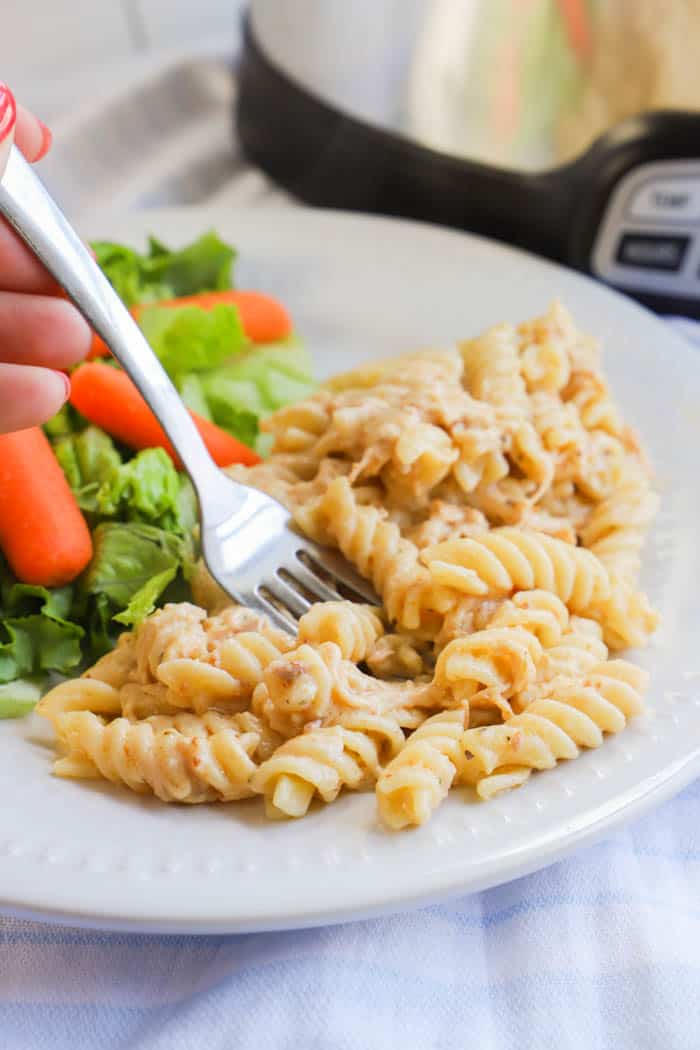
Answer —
40 332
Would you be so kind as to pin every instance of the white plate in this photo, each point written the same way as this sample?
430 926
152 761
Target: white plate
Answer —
358 287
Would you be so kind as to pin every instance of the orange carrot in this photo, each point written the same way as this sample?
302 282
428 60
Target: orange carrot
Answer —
575 17
43 534
107 397
264 320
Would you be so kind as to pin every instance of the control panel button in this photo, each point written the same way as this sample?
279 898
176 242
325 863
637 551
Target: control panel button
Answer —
652 251
670 199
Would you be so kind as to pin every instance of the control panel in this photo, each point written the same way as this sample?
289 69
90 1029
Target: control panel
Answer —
649 238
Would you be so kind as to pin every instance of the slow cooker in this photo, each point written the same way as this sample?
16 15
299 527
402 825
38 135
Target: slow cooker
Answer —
549 124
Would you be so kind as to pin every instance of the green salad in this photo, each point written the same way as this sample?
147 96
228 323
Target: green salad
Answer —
141 511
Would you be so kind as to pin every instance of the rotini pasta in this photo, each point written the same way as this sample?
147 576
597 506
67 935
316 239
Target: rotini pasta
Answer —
616 527
492 371
539 612
414 783
490 665
354 628
316 685
497 502
379 551
80 694
176 766
509 559
568 714
319 762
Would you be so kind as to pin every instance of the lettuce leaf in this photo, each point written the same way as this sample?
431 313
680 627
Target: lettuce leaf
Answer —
101 631
146 488
91 464
237 420
143 602
66 421
36 630
160 273
192 393
39 642
188 509
189 339
127 557
259 381
19 697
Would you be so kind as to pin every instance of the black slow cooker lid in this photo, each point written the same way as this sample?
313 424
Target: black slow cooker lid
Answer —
329 158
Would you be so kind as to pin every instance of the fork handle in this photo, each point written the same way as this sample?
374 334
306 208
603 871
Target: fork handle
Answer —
38 220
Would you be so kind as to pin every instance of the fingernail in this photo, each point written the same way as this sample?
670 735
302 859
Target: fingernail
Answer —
46 140
66 384
8 111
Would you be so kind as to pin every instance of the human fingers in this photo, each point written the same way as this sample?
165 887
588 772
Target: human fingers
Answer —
20 270
29 396
40 330
31 135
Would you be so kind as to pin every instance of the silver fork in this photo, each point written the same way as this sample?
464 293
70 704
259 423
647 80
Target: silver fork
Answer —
247 541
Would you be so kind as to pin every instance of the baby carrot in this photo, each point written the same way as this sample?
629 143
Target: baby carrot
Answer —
107 397
43 534
264 319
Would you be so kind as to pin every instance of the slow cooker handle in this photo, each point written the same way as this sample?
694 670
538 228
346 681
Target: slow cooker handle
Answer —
328 158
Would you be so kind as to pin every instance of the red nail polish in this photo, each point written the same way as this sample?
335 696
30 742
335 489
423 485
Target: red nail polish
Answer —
46 140
8 111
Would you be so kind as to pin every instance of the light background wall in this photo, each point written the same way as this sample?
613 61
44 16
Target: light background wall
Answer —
52 50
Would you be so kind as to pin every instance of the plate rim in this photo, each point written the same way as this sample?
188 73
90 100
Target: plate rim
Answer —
662 786
445 883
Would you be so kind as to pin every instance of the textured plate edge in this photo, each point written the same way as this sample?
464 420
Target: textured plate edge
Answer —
659 787
625 807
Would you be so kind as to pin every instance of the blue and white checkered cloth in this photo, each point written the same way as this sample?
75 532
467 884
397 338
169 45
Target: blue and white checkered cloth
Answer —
599 951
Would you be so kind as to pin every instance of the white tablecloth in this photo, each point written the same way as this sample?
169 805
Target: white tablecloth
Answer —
599 951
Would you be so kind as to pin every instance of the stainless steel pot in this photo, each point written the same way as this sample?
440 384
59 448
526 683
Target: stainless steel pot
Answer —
569 127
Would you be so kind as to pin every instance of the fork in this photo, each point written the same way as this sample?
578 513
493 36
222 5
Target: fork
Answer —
247 540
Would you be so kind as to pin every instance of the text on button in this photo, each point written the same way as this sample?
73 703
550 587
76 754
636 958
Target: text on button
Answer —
652 251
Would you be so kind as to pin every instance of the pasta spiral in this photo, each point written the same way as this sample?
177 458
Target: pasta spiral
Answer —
591 397
509 559
557 423
318 762
173 632
422 456
539 612
568 714
532 459
176 766
316 685
376 547
396 656
501 660
616 527
79 694
481 459
115 667
298 688
296 427
492 371
626 616
414 783
354 628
